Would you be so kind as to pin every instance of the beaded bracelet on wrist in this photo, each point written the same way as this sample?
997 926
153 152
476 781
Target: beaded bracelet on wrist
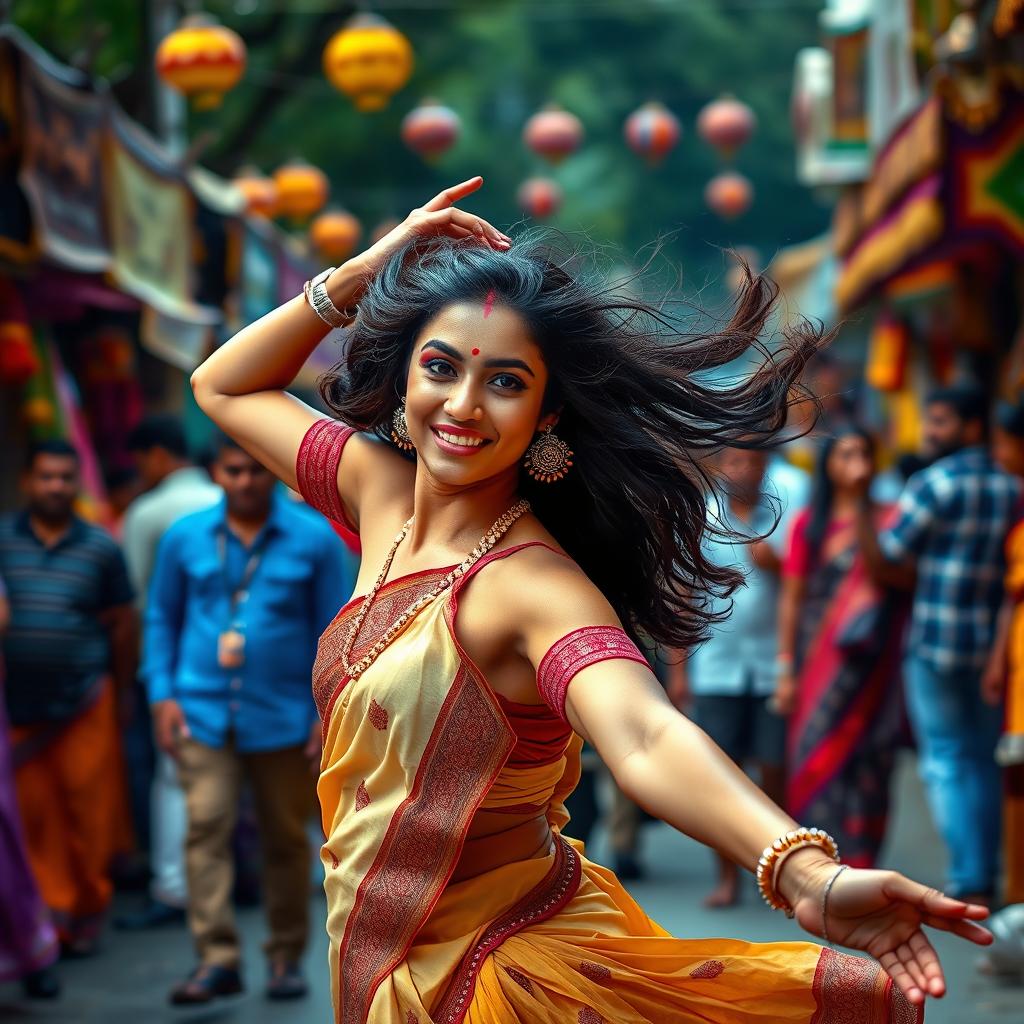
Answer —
773 855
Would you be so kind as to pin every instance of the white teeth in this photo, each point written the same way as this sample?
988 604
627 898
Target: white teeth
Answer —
462 442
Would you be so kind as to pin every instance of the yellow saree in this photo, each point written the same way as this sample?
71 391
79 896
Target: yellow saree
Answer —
438 915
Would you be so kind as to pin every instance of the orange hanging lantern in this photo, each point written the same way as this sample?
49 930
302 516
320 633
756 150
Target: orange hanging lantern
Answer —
259 191
369 60
431 129
553 133
539 197
888 352
726 124
729 195
334 235
302 190
201 59
652 131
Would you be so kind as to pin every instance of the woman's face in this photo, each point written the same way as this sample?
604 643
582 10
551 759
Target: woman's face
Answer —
1008 451
850 463
474 393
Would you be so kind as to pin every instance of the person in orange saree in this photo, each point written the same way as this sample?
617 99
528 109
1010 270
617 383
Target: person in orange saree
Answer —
840 644
1003 680
528 483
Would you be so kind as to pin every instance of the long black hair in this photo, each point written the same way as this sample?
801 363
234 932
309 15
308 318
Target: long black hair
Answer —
822 491
636 407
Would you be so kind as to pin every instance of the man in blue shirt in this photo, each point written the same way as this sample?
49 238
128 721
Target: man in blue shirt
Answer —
947 543
239 597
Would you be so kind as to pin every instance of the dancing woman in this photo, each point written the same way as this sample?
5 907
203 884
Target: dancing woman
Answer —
489 637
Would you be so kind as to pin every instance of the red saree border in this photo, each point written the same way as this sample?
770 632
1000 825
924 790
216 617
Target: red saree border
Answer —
467 748
544 900
852 990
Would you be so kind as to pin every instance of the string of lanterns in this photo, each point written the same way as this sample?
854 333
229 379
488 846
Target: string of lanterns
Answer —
369 61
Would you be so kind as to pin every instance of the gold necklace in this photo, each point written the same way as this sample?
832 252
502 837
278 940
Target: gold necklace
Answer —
501 526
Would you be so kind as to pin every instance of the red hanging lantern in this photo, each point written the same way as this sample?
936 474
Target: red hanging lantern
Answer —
729 194
726 124
431 129
201 59
259 191
652 131
539 197
302 190
553 133
334 235
18 359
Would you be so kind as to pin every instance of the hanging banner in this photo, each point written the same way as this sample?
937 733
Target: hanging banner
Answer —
151 226
985 180
61 171
259 271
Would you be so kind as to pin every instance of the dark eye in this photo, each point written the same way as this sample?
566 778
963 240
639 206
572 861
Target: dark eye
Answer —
508 381
440 366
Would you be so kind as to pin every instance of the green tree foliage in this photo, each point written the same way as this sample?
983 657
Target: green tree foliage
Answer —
496 62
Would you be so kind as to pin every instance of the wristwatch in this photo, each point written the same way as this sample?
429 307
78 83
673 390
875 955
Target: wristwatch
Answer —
315 291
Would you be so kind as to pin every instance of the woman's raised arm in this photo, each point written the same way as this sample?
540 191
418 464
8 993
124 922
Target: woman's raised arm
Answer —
241 387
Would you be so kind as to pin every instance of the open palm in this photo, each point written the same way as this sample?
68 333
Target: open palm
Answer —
882 913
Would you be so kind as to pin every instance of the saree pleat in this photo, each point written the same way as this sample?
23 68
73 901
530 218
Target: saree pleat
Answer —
427 927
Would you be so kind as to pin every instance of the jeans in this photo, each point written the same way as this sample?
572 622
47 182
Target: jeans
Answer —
956 733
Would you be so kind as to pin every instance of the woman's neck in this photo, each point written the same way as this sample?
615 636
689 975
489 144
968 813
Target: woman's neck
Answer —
456 518
845 504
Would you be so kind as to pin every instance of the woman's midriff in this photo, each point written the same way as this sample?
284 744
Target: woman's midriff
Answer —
497 839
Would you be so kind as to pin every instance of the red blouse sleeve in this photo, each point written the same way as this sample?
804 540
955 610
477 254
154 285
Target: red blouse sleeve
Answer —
316 468
797 561
577 651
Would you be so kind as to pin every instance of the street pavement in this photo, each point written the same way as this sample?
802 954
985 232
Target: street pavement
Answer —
128 981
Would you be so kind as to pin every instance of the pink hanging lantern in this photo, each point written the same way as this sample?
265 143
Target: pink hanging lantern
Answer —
431 129
726 124
539 197
652 131
553 133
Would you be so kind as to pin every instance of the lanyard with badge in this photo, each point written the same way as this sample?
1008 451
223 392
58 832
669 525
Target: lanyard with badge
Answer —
231 642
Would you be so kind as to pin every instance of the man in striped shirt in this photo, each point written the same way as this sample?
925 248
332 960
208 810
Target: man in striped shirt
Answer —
69 653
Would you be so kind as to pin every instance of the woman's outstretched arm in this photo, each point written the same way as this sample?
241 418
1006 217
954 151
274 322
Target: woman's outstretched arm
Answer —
241 386
672 769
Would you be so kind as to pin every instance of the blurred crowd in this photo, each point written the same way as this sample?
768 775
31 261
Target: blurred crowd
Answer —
162 736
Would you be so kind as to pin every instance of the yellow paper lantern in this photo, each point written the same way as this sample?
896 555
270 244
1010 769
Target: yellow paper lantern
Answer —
369 60
302 190
201 59
334 235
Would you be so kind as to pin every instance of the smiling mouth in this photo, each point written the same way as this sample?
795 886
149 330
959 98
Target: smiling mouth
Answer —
460 440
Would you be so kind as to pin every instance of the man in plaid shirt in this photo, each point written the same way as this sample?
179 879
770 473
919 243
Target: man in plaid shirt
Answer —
947 543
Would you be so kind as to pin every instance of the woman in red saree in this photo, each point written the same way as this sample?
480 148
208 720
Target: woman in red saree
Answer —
840 641
488 639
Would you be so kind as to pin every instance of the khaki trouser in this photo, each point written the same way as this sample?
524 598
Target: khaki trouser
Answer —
282 787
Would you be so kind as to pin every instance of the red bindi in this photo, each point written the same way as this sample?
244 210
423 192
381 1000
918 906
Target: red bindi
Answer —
476 351
488 304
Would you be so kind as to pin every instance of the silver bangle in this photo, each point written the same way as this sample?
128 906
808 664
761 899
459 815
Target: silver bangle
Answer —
320 302
824 901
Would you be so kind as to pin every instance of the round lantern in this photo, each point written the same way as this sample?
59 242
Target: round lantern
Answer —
652 131
430 129
726 124
553 133
334 235
539 197
368 60
301 190
260 192
201 59
18 359
729 194
39 411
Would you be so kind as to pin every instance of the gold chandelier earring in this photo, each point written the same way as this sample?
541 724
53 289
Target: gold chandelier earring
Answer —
549 458
400 436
